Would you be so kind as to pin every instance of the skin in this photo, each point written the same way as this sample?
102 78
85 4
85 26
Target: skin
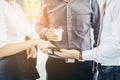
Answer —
50 35
74 54
11 49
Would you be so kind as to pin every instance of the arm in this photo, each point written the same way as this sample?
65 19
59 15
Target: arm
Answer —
95 20
42 21
10 49
108 50
45 31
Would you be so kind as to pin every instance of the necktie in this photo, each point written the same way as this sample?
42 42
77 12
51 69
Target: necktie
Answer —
100 30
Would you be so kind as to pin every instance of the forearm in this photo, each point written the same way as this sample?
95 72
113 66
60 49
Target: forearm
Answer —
102 53
11 49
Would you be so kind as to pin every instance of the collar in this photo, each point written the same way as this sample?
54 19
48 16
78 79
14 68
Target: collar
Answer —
66 1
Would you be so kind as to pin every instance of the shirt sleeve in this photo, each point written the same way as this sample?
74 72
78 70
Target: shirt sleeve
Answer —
42 21
111 49
3 33
95 20
103 53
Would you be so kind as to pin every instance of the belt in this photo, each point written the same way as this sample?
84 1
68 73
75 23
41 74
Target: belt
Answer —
107 69
63 59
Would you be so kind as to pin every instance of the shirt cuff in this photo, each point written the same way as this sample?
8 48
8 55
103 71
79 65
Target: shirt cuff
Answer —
87 55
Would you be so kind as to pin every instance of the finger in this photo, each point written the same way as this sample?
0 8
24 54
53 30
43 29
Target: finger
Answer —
64 50
61 54
31 52
28 53
51 29
34 55
52 37
44 50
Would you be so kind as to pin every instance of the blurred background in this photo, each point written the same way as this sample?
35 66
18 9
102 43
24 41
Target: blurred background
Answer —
31 8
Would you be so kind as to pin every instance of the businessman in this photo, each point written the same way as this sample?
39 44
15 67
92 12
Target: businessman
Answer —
76 17
107 54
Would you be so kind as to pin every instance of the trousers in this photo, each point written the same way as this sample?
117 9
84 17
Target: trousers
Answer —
57 69
108 72
18 67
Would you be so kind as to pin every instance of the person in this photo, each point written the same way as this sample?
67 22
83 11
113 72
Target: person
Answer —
15 63
21 3
107 54
76 17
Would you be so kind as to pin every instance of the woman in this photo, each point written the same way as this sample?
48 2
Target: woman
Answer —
14 64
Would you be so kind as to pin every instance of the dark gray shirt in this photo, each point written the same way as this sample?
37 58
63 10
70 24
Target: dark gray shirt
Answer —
76 18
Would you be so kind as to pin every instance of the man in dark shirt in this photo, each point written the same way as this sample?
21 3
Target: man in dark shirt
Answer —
76 17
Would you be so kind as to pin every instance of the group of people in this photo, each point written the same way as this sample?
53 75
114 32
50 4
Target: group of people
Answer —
74 59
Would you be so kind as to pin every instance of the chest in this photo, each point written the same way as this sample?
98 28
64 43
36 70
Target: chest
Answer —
76 6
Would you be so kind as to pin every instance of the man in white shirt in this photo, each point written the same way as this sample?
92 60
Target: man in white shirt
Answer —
108 51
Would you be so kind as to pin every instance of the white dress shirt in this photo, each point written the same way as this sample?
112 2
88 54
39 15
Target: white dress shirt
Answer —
13 24
108 52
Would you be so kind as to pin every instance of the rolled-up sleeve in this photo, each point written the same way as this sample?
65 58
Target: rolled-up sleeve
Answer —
42 20
3 33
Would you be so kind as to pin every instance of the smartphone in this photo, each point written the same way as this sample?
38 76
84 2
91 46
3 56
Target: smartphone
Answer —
51 50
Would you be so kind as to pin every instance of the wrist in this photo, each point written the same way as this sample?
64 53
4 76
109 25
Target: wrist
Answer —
79 58
77 54
33 42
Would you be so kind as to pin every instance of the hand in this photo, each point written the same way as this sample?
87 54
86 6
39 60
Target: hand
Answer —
31 52
75 54
45 44
44 50
50 35
41 43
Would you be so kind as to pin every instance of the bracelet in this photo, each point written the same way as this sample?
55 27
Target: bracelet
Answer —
80 57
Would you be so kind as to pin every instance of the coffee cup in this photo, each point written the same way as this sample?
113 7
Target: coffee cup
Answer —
58 32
